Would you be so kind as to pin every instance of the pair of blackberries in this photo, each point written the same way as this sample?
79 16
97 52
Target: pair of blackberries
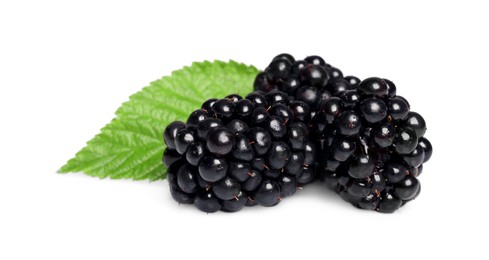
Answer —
304 121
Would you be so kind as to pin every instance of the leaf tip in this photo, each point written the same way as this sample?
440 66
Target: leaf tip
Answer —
63 169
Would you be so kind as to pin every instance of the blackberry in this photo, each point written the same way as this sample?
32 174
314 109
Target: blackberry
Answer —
236 152
370 145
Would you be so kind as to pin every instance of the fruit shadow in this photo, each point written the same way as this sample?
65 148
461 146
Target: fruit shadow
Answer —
316 191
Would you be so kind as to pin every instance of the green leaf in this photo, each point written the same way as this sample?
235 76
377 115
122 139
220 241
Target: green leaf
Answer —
131 146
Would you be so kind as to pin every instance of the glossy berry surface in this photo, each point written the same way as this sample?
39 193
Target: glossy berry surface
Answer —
183 139
171 133
315 75
236 152
186 179
226 189
207 202
268 193
213 169
373 87
220 141
349 123
373 110
279 155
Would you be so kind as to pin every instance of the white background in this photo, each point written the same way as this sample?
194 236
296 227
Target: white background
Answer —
65 68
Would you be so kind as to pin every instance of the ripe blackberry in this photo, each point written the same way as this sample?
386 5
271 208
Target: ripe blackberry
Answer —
371 145
236 152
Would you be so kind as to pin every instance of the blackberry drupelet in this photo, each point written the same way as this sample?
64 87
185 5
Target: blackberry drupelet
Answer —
304 121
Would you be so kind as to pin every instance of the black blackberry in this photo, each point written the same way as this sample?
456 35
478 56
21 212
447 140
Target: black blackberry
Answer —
371 145
235 152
